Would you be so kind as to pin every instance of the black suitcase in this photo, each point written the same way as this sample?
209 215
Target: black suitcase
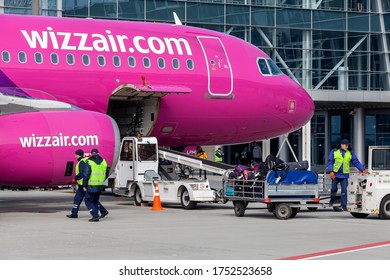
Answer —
298 165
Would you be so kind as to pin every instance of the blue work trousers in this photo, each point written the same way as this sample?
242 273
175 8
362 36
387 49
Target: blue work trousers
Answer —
93 204
344 184
78 198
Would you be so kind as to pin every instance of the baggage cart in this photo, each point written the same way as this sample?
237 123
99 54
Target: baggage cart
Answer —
282 196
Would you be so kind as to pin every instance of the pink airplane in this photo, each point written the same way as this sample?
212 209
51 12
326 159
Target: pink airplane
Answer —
70 83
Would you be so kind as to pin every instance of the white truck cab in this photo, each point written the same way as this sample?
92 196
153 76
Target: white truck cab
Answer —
137 173
370 194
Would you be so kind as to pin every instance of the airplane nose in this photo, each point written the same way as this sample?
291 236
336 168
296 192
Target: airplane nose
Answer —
295 108
304 107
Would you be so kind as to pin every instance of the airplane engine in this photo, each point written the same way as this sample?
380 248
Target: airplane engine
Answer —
38 148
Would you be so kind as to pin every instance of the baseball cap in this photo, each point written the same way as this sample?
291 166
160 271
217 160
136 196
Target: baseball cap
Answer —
94 152
345 141
80 152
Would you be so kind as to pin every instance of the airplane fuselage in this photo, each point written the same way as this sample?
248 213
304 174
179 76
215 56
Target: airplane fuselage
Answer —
195 86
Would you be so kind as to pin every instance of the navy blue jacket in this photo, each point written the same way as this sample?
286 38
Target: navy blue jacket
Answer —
340 174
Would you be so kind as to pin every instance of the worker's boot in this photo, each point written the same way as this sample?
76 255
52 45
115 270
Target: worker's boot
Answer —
332 199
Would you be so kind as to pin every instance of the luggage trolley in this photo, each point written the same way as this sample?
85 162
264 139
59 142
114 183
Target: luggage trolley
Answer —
283 195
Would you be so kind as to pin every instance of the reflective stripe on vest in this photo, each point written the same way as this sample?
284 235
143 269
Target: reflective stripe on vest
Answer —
80 182
340 160
98 173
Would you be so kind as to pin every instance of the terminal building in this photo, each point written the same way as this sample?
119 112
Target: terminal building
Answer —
338 50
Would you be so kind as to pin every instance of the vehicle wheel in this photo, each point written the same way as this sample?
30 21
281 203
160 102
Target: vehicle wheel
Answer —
384 208
186 203
137 197
239 208
271 207
312 208
294 212
283 211
359 215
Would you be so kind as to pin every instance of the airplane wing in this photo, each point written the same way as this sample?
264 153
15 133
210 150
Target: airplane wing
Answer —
25 92
145 91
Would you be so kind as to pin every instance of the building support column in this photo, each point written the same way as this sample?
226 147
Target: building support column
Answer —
36 7
358 134
1 6
307 82
266 148
59 8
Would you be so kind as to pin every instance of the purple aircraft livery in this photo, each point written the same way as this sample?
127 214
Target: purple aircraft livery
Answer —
70 83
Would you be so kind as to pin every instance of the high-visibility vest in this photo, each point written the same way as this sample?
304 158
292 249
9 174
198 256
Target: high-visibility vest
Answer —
98 173
80 182
340 160
218 157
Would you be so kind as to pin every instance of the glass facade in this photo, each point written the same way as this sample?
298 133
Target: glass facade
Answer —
334 45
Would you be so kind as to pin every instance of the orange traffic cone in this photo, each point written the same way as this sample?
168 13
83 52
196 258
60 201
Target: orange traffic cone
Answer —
156 200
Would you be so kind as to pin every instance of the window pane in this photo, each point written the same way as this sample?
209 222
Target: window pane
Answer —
54 58
263 16
70 58
38 58
206 13
103 9
162 10
238 15
293 18
263 67
175 63
132 62
101 60
86 60
117 61
22 57
358 22
132 9
161 62
5 56
190 64
329 20
80 9
146 61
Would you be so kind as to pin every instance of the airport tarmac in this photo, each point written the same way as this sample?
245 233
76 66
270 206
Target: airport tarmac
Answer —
33 226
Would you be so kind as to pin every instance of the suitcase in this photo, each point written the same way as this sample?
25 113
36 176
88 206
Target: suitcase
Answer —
298 165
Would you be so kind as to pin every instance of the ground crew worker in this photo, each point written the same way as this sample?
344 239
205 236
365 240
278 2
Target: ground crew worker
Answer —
219 155
82 181
200 153
97 174
339 166
80 178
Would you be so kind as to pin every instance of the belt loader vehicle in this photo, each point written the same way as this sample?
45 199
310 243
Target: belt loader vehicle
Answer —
370 194
142 164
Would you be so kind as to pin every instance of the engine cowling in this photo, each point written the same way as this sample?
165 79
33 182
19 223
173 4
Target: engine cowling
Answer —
38 148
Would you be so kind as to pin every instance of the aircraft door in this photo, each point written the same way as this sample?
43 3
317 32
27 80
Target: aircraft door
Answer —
126 163
220 75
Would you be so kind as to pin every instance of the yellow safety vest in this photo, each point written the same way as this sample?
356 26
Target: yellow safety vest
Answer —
218 157
98 173
340 160
80 182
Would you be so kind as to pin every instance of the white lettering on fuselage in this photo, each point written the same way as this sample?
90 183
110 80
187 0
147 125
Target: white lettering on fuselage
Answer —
60 140
105 42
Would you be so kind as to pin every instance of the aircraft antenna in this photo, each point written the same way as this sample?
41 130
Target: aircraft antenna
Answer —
177 20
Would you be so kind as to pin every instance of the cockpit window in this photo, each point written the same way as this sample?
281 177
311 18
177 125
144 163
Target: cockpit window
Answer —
275 70
268 67
263 66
